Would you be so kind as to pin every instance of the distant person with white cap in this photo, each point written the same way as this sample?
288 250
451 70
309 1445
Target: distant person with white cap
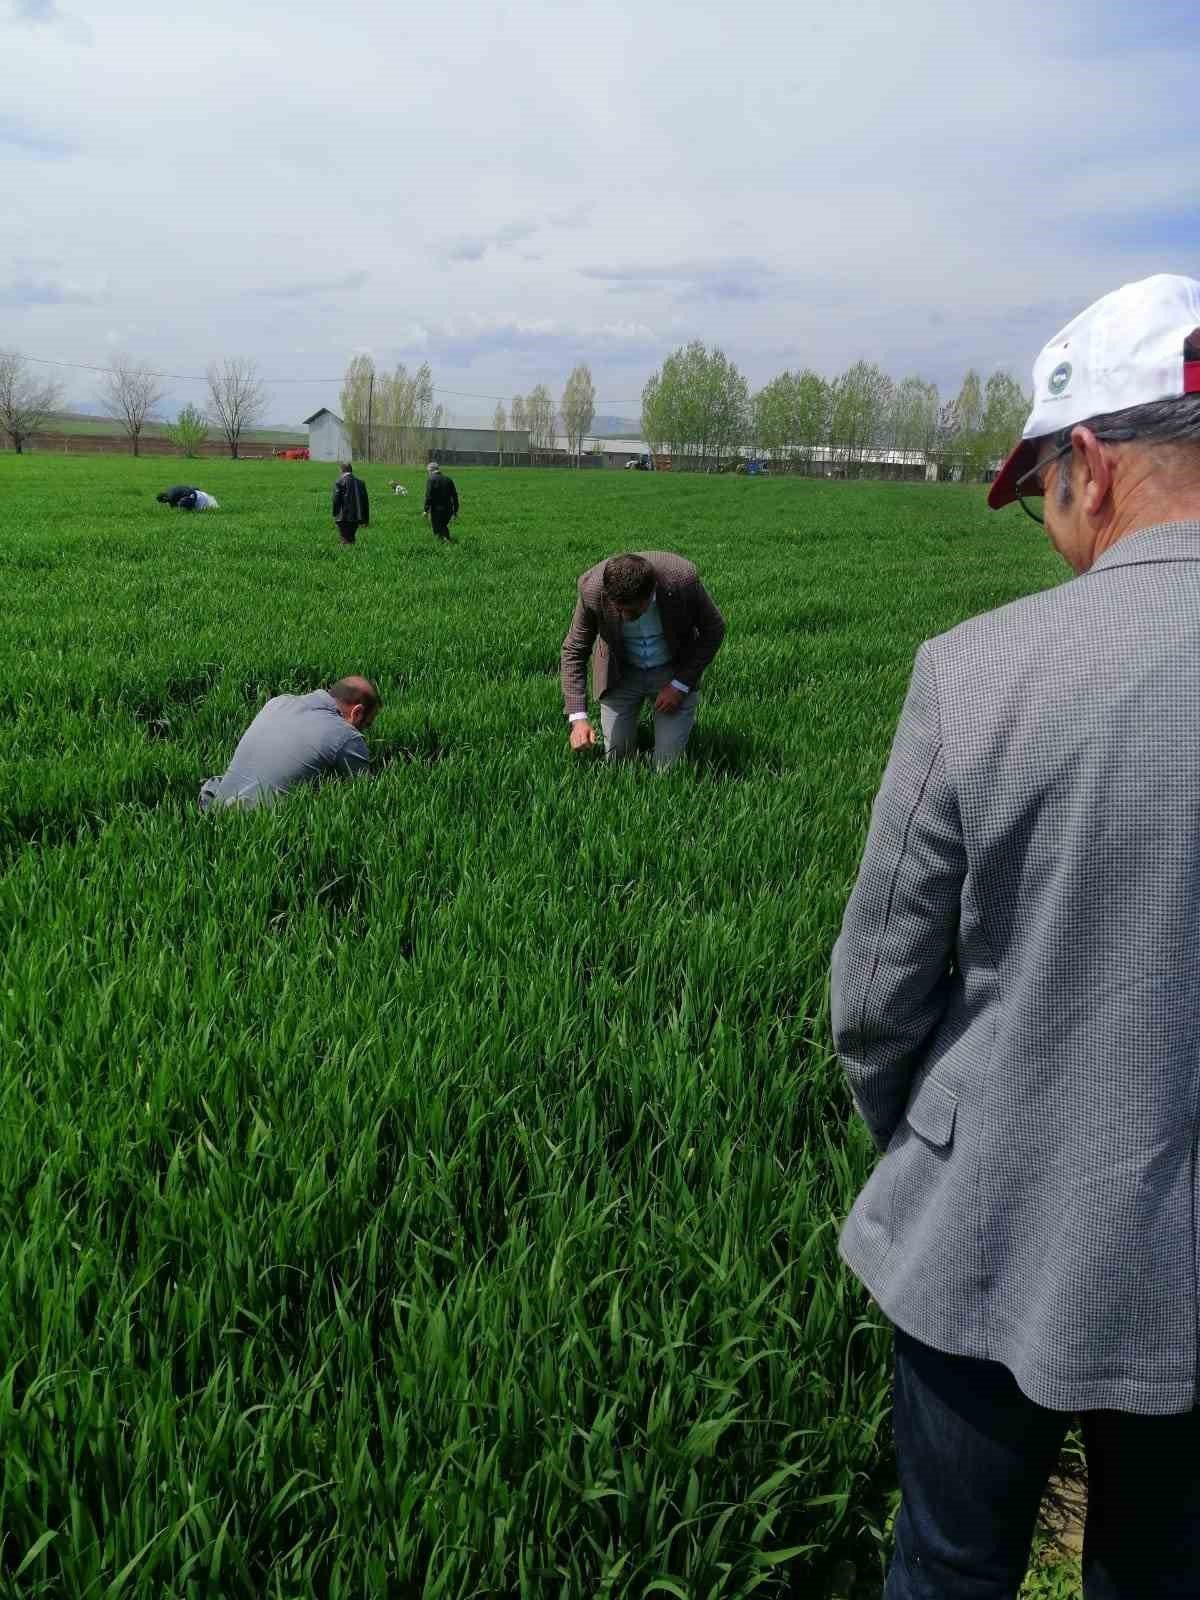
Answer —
1016 1002
441 501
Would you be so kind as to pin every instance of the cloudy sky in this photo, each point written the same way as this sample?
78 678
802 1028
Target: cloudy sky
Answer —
506 189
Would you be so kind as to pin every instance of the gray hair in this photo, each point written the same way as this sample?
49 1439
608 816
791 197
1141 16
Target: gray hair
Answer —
1159 422
1174 421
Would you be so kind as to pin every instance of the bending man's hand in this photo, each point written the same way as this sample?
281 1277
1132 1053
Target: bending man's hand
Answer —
669 699
582 734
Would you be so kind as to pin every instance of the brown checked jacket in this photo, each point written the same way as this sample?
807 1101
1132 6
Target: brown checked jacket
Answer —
693 626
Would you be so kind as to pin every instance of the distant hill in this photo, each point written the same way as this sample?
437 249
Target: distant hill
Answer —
617 427
603 427
74 422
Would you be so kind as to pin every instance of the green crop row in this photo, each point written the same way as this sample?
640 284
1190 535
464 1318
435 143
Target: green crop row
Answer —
431 1186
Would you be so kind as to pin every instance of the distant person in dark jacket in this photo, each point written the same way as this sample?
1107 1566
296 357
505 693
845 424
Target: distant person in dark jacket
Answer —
182 497
441 501
351 508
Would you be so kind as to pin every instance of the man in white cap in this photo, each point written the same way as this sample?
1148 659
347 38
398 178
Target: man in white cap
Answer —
441 501
1016 1001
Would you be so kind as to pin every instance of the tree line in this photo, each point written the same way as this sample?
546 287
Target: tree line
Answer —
699 408
131 394
393 416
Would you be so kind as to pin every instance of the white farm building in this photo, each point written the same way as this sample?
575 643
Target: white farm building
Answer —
328 437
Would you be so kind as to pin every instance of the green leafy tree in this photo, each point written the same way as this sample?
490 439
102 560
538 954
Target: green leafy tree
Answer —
698 405
791 416
189 430
914 415
500 422
407 421
539 415
357 402
970 445
861 402
578 408
1005 409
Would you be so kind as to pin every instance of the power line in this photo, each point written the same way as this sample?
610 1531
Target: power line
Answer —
191 377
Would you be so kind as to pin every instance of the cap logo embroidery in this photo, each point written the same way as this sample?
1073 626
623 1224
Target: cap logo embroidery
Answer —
1060 377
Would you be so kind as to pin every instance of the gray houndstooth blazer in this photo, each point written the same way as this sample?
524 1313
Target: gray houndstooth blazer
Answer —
1016 989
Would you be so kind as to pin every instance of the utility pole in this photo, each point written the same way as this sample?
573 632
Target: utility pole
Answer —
370 408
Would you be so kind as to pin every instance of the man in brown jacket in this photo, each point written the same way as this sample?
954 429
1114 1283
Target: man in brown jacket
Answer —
650 628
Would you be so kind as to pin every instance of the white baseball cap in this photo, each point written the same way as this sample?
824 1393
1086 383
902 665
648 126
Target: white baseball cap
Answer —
1125 350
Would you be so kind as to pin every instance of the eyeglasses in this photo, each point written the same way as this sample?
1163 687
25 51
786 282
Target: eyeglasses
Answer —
1037 491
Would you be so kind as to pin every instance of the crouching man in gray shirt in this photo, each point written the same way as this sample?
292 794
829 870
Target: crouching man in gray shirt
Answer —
298 738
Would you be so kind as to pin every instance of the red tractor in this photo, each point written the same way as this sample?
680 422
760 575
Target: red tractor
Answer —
292 455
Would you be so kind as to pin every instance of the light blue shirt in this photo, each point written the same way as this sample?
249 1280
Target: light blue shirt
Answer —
643 642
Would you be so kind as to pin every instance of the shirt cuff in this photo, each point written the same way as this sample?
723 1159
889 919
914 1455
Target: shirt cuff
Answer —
577 716
682 687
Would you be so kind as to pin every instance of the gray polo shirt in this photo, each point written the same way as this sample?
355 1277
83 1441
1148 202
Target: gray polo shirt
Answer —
295 738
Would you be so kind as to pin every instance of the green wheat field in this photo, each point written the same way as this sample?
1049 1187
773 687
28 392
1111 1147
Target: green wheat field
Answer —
430 1187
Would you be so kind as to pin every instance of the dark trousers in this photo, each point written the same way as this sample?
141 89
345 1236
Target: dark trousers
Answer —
347 531
441 525
974 1455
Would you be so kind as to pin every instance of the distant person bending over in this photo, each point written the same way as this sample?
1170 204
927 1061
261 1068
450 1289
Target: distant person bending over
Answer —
351 507
298 739
650 628
183 497
441 501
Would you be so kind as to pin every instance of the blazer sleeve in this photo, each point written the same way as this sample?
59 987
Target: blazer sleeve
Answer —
366 505
709 627
892 964
337 500
576 652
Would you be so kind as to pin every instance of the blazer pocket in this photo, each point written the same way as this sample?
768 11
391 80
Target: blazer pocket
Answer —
931 1113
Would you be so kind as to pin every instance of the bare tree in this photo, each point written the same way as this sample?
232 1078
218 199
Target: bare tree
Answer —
518 419
358 388
237 399
539 414
129 394
413 419
25 401
500 422
578 408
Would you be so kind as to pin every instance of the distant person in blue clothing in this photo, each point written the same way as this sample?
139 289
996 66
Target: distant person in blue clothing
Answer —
298 738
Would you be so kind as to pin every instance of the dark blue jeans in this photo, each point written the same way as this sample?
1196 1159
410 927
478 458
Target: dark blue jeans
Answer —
974 1456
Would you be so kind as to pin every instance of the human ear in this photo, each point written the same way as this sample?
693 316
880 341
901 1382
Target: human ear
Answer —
1097 466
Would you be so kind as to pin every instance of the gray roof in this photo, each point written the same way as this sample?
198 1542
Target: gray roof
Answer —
323 412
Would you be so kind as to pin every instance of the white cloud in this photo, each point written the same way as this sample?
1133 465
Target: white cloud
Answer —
926 186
